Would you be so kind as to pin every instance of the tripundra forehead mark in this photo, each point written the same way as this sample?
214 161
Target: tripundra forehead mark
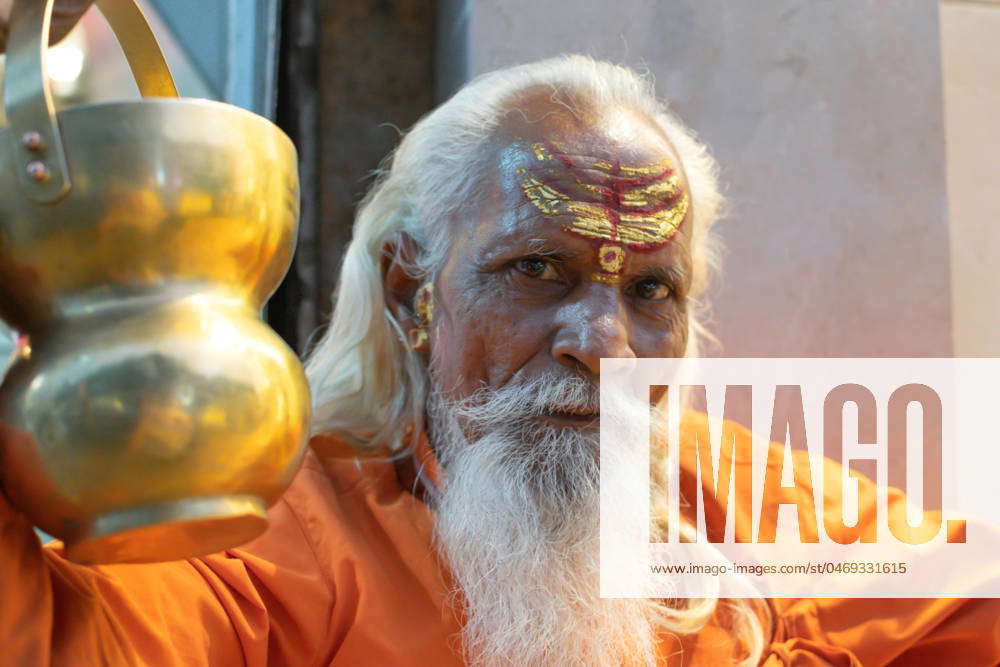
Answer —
634 206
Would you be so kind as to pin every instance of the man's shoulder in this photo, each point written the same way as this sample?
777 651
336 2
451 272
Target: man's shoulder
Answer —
340 493
333 475
319 518
333 464
357 518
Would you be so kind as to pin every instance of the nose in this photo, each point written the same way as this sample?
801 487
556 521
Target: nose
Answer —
593 327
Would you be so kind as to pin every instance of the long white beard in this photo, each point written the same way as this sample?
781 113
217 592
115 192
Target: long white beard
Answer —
517 522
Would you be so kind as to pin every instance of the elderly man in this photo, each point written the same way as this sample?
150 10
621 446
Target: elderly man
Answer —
545 217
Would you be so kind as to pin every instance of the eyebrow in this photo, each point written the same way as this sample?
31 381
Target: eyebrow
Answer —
545 248
673 274
509 244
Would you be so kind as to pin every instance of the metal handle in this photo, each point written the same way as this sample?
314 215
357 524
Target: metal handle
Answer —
34 127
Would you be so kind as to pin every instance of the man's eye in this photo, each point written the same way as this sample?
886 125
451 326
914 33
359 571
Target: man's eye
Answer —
652 290
536 267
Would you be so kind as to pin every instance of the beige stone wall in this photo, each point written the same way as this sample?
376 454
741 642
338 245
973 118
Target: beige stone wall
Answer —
970 53
827 120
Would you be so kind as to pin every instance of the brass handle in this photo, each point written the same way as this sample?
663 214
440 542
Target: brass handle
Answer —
42 166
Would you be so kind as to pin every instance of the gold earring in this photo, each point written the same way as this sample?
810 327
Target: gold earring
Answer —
425 303
417 337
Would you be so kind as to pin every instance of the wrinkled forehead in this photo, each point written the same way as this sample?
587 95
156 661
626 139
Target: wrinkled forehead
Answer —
606 134
607 175
609 155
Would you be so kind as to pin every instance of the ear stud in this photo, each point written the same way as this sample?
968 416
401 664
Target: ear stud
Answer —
417 337
424 303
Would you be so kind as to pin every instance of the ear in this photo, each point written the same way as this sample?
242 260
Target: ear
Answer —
399 255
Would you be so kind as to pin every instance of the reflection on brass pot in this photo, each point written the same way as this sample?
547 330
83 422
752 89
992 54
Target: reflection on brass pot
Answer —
156 416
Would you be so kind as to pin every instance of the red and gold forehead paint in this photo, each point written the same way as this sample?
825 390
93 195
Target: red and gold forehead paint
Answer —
617 205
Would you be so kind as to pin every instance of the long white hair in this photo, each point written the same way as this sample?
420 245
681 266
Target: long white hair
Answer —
367 384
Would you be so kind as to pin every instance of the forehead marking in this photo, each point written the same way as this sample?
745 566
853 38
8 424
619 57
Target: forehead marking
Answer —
639 207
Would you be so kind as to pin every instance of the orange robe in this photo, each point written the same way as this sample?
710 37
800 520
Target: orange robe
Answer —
346 575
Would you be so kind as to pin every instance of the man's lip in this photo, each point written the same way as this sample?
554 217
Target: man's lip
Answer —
571 418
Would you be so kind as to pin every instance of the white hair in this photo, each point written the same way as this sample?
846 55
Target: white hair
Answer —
518 523
367 384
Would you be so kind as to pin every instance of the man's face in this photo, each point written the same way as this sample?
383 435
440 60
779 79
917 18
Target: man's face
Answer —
578 251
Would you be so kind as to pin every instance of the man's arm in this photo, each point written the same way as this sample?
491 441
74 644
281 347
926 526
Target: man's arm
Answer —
864 631
55 612
262 604
881 631
65 15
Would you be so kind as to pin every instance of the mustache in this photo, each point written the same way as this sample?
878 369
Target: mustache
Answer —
523 399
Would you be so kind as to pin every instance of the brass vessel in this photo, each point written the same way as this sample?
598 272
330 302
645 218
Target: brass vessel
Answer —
154 415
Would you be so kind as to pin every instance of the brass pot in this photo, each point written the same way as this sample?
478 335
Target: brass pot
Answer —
155 416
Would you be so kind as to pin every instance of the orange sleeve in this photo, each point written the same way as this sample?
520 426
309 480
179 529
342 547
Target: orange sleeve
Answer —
265 604
884 631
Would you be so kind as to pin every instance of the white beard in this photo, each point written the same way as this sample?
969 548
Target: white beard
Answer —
518 524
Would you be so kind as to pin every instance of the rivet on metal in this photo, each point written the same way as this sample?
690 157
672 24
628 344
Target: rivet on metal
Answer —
32 140
38 171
